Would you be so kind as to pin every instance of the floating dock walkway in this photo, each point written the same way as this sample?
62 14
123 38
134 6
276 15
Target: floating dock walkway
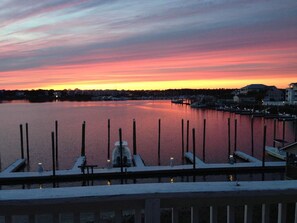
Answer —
246 157
138 161
190 157
79 162
138 171
17 165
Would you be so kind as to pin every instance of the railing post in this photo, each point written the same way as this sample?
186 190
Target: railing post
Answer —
56 217
137 216
230 214
97 216
174 215
118 216
31 218
295 221
265 213
248 214
8 219
76 217
213 214
194 214
152 211
281 213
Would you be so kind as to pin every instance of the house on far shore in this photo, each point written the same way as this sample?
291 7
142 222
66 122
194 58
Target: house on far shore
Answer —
252 88
291 94
243 99
274 97
291 167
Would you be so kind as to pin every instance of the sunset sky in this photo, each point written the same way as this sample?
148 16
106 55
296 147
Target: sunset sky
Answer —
148 44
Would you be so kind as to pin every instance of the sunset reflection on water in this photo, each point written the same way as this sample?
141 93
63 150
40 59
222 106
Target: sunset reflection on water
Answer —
70 115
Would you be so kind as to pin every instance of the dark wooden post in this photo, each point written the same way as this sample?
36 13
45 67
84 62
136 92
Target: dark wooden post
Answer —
134 137
121 152
204 134
108 139
183 143
235 135
53 154
194 149
229 138
274 132
83 141
264 144
159 143
284 132
188 129
295 130
22 141
56 135
252 135
27 143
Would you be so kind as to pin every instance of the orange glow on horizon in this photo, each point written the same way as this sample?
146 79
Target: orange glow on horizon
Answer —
194 70
163 85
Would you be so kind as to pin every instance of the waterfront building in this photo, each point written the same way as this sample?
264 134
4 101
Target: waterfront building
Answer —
291 94
252 88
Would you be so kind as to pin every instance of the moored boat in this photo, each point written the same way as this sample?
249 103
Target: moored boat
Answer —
126 155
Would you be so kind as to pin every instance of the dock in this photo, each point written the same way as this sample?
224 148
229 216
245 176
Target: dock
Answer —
138 161
144 172
246 157
190 157
79 162
18 164
10 177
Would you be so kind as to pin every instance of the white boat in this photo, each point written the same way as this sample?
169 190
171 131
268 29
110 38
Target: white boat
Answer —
276 152
126 155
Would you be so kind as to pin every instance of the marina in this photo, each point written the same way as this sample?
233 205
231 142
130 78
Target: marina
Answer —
148 111
199 149
140 162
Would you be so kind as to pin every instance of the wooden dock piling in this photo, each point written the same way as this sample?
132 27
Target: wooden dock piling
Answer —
27 143
235 134
53 154
252 135
183 143
188 129
229 138
295 130
284 132
263 148
83 141
121 154
108 139
56 145
204 134
159 142
22 141
274 132
134 137
194 148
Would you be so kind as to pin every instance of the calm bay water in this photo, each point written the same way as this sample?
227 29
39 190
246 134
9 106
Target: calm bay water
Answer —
70 115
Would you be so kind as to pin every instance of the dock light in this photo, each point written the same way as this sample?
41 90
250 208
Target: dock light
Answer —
108 164
171 161
231 159
171 180
40 168
108 183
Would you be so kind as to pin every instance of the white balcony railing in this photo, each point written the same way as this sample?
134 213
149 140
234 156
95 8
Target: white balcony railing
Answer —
246 202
